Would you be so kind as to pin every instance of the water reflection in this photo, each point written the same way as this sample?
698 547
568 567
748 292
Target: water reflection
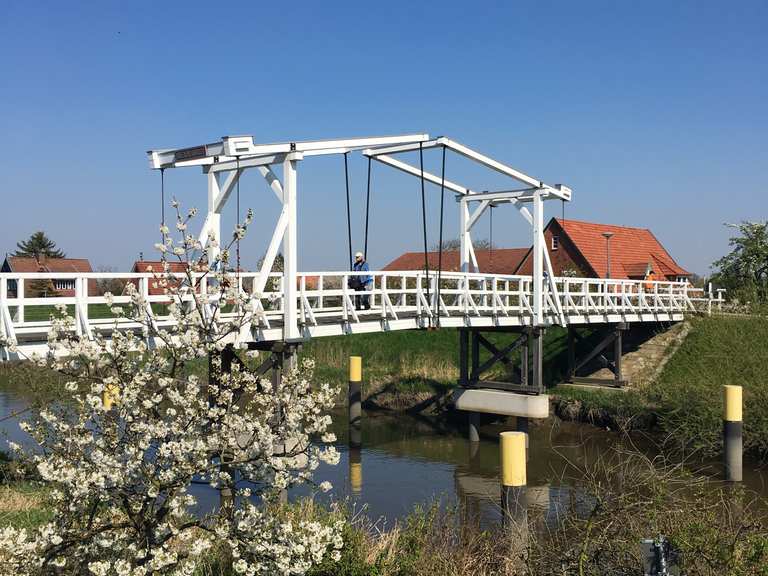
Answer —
409 461
406 461
12 411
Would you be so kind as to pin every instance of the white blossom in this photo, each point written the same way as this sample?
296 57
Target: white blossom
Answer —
120 459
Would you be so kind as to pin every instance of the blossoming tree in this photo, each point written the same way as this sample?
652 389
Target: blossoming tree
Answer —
143 425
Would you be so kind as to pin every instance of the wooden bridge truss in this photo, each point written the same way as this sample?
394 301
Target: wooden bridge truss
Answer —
225 161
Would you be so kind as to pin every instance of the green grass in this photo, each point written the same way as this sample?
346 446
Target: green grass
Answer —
22 505
718 351
95 311
410 360
685 402
417 360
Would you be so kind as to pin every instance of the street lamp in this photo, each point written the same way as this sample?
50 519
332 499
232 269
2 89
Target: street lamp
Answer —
607 236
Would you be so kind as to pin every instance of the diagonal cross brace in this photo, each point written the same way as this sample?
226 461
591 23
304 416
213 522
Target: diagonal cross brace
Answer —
597 350
498 355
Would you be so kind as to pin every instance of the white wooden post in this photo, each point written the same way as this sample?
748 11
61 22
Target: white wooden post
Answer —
78 311
344 297
494 297
213 221
19 300
418 295
383 288
84 305
4 353
3 301
290 252
538 259
144 289
464 236
303 312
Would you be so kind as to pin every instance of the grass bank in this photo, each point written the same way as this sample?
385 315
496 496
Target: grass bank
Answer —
688 393
23 505
685 402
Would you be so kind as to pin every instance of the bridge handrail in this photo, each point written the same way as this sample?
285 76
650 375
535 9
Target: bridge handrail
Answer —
326 297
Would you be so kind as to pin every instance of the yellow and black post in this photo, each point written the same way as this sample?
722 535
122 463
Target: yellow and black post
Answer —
110 396
513 478
732 431
355 400
355 470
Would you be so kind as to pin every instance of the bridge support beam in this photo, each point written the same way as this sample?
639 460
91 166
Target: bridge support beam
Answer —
281 358
474 426
536 340
613 336
471 366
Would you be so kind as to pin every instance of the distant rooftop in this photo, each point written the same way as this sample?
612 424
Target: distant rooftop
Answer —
496 261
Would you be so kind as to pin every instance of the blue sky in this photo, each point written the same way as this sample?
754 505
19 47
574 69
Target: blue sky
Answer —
654 113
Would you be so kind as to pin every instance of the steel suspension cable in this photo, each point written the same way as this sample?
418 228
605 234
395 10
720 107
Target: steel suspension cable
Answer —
367 210
349 218
424 217
440 240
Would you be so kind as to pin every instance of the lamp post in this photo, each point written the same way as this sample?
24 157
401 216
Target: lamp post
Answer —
607 236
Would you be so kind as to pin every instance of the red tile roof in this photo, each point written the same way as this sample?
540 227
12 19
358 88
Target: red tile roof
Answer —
23 264
632 249
141 266
496 261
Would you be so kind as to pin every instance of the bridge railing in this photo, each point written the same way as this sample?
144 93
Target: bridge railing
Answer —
398 293
707 299
27 300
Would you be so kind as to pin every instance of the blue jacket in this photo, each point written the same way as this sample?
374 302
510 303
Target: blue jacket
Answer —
363 267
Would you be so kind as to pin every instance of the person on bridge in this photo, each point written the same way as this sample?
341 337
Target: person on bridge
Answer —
362 283
649 279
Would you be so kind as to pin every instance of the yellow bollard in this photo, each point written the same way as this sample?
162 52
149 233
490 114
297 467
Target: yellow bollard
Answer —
513 477
110 396
732 432
355 470
355 368
355 400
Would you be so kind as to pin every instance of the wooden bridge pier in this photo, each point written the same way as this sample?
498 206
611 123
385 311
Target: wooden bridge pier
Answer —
526 377
521 397
612 335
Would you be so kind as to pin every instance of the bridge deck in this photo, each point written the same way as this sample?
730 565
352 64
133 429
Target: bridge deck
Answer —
327 305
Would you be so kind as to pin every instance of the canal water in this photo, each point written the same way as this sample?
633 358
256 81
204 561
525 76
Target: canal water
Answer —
407 461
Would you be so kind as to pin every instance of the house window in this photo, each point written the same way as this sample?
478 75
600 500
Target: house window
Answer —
555 242
64 284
